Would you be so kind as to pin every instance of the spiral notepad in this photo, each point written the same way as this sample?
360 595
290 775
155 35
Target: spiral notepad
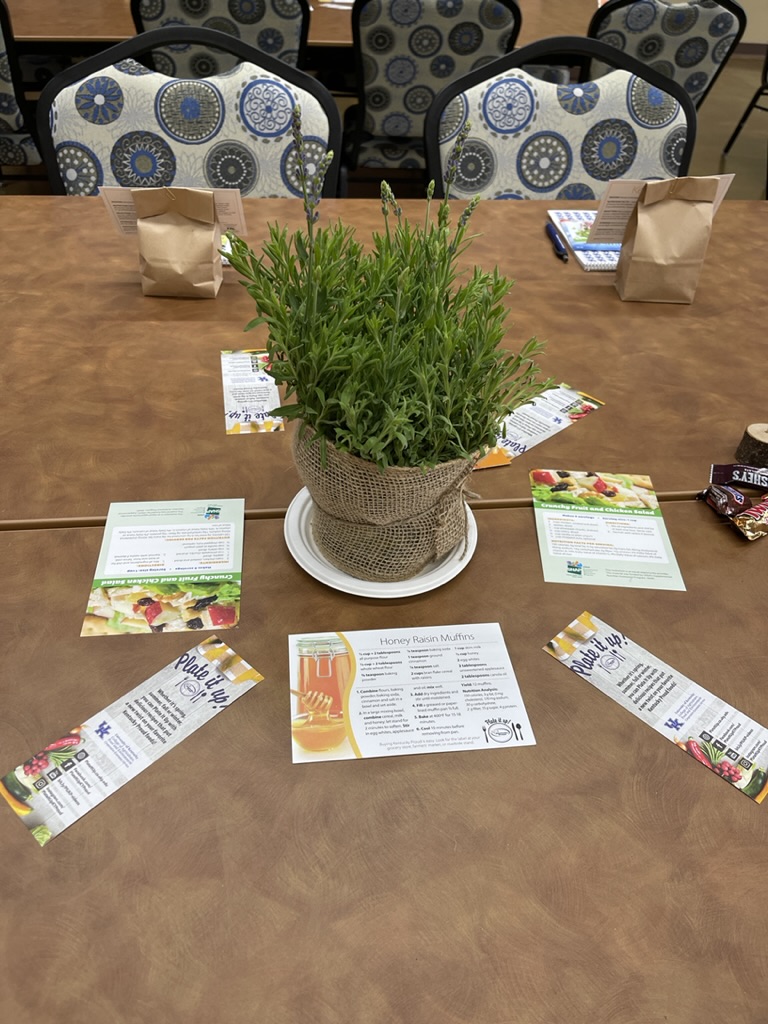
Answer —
574 226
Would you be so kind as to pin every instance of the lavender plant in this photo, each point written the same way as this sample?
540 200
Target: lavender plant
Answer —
387 352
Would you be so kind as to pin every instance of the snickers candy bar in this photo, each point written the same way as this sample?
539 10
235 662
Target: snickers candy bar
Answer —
753 522
725 500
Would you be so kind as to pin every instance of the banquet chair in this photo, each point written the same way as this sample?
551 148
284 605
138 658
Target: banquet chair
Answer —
688 42
530 139
17 143
754 104
405 51
276 27
111 121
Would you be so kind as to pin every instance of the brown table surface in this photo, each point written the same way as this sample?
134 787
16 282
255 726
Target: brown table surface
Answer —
598 876
109 21
110 396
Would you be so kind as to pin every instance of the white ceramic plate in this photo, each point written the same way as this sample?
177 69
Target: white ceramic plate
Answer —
301 544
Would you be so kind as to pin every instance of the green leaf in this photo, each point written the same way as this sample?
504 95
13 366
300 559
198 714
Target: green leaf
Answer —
389 351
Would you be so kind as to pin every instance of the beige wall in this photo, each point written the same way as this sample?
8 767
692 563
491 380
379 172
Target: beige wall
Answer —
757 21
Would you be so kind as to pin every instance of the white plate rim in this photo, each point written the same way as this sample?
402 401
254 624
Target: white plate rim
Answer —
300 543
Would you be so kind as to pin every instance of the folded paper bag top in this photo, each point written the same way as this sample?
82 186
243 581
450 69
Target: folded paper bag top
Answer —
666 240
179 242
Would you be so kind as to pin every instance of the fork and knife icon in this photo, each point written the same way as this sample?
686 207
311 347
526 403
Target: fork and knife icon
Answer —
517 731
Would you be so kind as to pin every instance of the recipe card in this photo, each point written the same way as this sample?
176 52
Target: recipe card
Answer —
712 732
250 392
534 422
378 693
604 529
74 773
168 566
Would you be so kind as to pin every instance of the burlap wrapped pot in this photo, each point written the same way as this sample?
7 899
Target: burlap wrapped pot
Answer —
382 526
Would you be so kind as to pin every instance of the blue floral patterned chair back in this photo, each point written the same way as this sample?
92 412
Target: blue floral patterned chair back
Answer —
689 42
112 121
531 139
17 147
276 27
405 52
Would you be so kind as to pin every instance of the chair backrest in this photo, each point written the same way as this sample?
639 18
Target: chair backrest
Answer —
276 27
111 121
407 50
531 139
688 42
17 145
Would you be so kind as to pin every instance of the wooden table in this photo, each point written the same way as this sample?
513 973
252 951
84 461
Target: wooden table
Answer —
600 875
110 396
48 24
57 26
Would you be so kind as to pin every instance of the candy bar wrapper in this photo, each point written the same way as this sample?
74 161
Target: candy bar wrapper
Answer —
752 521
724 499
735 473
179 241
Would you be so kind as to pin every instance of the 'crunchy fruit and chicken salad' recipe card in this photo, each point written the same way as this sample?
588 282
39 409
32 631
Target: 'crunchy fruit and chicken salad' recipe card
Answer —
604 529
377 693
168 566
712 732
74 773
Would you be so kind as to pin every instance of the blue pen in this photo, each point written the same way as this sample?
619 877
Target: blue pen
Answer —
557 242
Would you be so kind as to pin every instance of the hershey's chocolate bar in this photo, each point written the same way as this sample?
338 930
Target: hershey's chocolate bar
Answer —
736 473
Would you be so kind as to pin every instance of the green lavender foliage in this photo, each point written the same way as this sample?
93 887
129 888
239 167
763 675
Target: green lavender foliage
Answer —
385 352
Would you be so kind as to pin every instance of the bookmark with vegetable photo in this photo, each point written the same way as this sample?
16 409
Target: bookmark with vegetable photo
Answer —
710 731
70 776
250 393
536 421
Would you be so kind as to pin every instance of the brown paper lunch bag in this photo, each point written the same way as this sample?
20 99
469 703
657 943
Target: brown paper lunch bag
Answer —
666 240
179 242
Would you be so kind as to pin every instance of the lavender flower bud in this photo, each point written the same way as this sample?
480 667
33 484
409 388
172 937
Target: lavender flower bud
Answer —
470 209
452 164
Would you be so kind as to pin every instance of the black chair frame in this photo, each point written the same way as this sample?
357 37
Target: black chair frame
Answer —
754 104
564 49
17 79
356 115
147 41
305 12
732 6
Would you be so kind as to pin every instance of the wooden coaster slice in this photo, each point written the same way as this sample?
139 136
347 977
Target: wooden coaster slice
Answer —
753 448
